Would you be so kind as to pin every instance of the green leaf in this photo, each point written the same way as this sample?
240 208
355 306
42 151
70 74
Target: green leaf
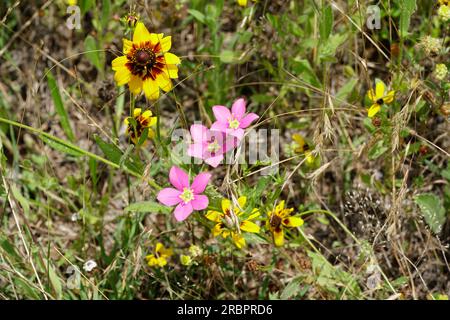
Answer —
59 106
197 15
147 206
227 56
407 8
292 289
55 281
377 150
326 25
432 210
92 53
106 13
60 147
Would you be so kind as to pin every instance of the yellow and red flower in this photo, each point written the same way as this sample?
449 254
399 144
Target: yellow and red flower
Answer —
279 219
302 147
379 97
146 64
228 221
160 256
142 121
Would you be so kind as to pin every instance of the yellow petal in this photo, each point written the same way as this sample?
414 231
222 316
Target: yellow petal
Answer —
119 63
389 97
135 85
242 201
151 89
164 82
217 230
225 234
137 112
310 159
373 110
255 214
147 114
161 261
171 70
238 240
156 37
299 139
213 215
167 252
372 95
171 58
122 76
141 33
226 205
127 45
126 121
166 43
278 237
242 3
159 247
379 89
249 226
280 206
153 121
292 222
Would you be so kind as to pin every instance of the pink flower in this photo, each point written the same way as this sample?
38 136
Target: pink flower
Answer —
209 145
234 122
187 197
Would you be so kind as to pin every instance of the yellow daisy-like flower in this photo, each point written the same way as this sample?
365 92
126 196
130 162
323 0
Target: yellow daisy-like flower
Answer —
142 121
279 219
303 147
379 97
147 65
185 260
242 3
160 257
228 220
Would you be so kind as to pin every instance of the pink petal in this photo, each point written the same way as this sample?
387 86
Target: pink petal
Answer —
219 126
247 120
214 161
230 143
221 113
169 196
238 109
197 150
198 133
200 182
182 211
200 202
178 178
238 133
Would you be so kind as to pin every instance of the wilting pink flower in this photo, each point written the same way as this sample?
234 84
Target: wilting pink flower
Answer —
234 122
187 197
209 145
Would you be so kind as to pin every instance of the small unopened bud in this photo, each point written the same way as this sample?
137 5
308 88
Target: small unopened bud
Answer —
131 19
376 122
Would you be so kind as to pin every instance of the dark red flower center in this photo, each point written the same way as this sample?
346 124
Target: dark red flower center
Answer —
275 221
145 57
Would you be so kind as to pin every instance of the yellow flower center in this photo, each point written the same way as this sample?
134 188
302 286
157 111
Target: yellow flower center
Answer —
233 123
187 195
213 147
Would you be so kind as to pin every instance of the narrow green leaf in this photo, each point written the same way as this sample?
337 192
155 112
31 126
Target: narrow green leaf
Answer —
106 13
407 8
59 106
61 147
147 206
197 15
326 25
92 53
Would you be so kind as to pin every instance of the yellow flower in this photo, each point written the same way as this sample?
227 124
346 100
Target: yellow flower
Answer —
303 147
185 260
279 219
242 3
72 2
160 257
379 97
444 2
228 220
146 64
195 251
141 121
